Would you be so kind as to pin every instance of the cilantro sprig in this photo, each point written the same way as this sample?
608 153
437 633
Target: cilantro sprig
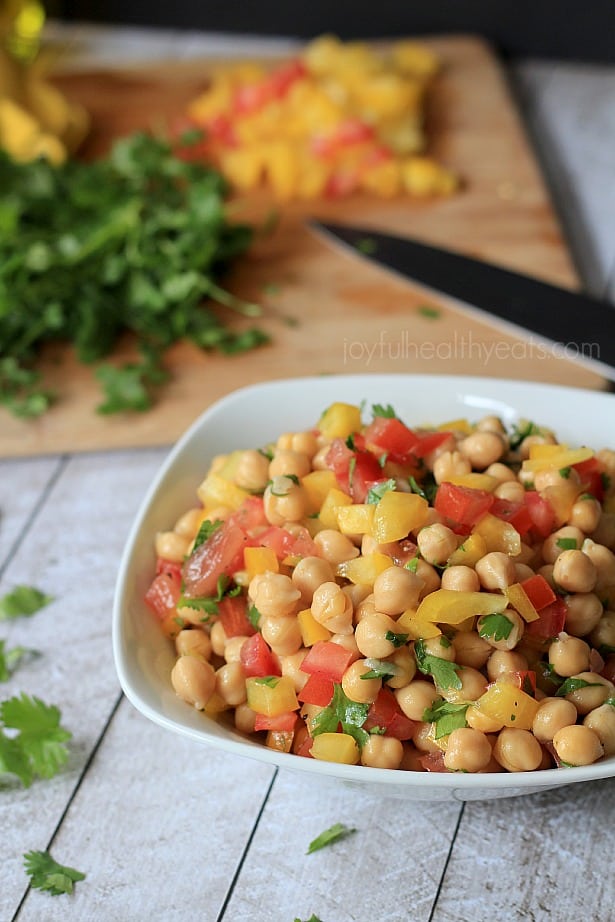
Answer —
447 716
573 684
23 601
342 711
375 493
38 748
10 659
47 874
443 672
495 626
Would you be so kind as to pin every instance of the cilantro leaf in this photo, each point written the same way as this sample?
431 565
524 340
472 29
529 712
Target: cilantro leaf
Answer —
313 918
521 431
443 672
10 659
398 640
207 605
41 739
571 685
447 717
412 564
269 680
427 488
22 601
375 493
386 411
46 874
380 669
329 836
567 544
342 710
206 530
495 626
565 472
254 616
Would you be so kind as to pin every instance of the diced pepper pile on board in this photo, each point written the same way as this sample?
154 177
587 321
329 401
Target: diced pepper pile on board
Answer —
338 118
429 599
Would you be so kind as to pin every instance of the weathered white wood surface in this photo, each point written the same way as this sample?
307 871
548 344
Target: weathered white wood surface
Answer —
168 831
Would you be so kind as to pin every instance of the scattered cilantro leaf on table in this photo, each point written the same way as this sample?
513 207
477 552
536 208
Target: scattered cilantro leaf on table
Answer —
22 601
329 836
46 874
138 241
10 659
39 746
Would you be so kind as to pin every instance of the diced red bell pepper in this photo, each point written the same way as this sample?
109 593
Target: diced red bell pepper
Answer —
392 436
462 505
550 623
355 471
257 658
317 690
220 555
538 591
591 473
280 722
385 712
233 614
328 659
516 513
541 512
433 761
285 544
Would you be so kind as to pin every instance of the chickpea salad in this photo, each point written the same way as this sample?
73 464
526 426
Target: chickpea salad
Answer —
436 599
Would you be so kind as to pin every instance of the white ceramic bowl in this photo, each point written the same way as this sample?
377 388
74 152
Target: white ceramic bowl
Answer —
254 415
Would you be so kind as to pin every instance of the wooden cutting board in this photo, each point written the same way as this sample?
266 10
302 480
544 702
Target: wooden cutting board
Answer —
327 311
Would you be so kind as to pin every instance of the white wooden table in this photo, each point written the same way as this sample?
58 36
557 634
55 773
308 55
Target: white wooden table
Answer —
166 830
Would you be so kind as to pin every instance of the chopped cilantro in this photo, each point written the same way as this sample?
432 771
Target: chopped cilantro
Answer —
375 493
567 544
572 685
412 565
398 640
208 605
39 748
266 453
610 701
605 480
313 918
380 669
46 874
352 465
443 672
254 616
427 489
382 459
22 601
565 472
342 710
350 443
329 836
446 716
387 411
495 626
521 431
10 659
269 680
205 532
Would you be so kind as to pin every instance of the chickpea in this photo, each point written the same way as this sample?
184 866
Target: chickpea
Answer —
551 549
517 750
604 562
309 574
574 571
468 750
460 579
585 514
471 650
232 648
504 662
526 555
441 647
473 685
252 471
584 613
592 695
189 523
289 463
578 745
274 594
424 738
607 457
193 643
501 472
603 634
218 638
194 680
522 571
303 442
605 531
544 438
602 721
496 570
547 572
569 655
284 501
357 688
231 683
416 697
430 578
478 720
491 423
171 546
396 589
332 608
514 492
319 458
406 663
335 547
371 635
291 667
553 477
551 716
282 634
382 752
436 543
366 606
244 718
483 448
450 464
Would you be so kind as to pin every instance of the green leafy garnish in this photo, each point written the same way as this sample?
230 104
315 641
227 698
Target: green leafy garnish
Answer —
205 532
22 601
46 874
380 669
443 672
427 489
313 918
375 493
521 431
207 604
571 685
565 472
610 701
329 836
566 544
10 659
254 616
350 443
495 626
412 565
269 680
605 479
39 746
134 242
385 410
398 640
446 716
342 710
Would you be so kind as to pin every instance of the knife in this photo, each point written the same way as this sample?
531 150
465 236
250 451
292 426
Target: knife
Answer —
573 325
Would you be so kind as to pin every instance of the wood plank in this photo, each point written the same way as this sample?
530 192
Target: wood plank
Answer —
388 869
533 859
159 826
503 214
70 550
22 484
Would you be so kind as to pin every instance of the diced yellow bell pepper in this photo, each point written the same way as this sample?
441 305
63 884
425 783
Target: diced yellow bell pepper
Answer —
417 629
563 456
335 747
280 740
447 606
260 560
509 705
469 552
362 571
227 468
316 485
498 535
519 599
476 481
311 630
340 420
357 519
333 500
217 491
271 695
456 425
397 514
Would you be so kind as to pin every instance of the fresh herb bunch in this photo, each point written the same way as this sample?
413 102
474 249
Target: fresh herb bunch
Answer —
137 241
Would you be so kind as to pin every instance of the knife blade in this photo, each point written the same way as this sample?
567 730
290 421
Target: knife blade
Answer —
581 328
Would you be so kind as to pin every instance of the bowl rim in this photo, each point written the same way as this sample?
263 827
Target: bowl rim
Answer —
504 389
